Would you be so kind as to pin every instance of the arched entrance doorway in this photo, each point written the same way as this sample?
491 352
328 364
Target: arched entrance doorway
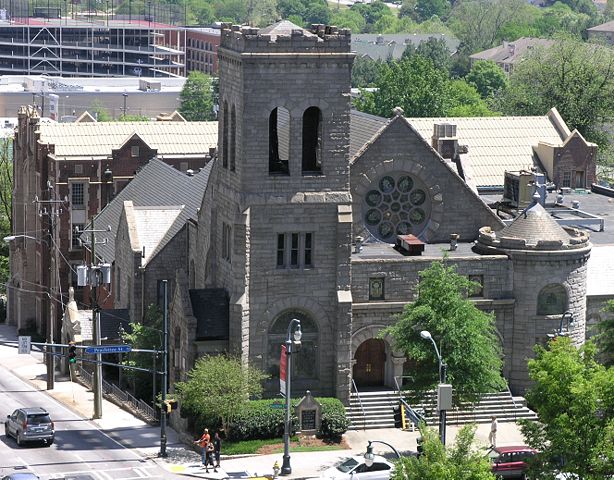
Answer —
370 363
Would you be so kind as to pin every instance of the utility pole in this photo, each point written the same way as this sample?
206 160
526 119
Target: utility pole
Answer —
163 412
96 275
50 214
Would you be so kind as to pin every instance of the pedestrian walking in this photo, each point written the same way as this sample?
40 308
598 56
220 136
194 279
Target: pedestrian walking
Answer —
492 437
203 442
217 449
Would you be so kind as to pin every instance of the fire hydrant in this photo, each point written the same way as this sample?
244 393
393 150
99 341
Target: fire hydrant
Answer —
276 469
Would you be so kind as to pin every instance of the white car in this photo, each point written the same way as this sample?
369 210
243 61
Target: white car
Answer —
355 468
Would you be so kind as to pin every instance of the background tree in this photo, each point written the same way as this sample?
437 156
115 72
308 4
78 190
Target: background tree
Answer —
197 98
413 84
487 77
365 72
574 398
99 112
219 386
6 213
146 335
426 9
465 335
605 336
478 23
459 462
347 18
435 49
465 101
575 77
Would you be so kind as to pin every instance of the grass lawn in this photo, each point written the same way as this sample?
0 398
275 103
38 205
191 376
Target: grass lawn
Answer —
276 445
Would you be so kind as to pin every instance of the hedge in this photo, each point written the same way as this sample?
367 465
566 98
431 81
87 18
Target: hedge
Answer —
259 420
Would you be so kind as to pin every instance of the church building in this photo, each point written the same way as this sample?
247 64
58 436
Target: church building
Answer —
299 222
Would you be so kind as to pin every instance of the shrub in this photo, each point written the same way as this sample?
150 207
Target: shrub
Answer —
259 420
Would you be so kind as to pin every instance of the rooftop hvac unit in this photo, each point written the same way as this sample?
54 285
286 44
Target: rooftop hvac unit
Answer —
519 187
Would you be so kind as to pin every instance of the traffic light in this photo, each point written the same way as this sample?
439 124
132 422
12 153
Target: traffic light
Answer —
72 353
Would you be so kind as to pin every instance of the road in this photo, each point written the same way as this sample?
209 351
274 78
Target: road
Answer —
80 448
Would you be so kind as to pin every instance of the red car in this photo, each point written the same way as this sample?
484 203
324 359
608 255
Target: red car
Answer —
511 462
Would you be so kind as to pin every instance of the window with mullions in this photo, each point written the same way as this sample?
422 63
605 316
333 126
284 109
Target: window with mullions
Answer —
552 300
77 229
77 195
295 250
305 359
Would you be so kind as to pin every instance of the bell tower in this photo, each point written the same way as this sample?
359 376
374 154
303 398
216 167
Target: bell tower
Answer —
280 224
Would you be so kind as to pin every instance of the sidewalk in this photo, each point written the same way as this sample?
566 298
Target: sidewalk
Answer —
182 460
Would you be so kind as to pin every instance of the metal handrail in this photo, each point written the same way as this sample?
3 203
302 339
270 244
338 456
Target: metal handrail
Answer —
507 385
362 408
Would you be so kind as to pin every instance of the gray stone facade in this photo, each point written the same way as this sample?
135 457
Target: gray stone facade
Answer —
282 240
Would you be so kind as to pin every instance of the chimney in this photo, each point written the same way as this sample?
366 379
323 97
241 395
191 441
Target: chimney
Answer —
444 140
379 39
512 48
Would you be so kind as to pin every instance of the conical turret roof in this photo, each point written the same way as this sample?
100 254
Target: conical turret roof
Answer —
533 225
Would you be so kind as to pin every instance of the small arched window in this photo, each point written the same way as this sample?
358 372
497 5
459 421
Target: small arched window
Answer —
312 140
305 364
552 300
233 137
279 141
225 136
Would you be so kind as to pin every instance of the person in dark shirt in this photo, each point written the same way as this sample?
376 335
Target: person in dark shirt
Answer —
217 448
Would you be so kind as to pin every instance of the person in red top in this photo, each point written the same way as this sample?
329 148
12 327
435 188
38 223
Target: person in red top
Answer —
203 442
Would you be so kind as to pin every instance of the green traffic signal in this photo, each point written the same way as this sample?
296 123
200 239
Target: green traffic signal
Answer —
72 353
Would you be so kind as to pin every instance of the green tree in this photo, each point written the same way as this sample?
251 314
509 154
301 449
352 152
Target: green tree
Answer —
460 462
426 9
146 335
365 71
413 84
288 8
478 23
561 18
372 12
219 386
317 12
487 77
574 398
435 49
347 18
605 336
6 214
465 335
99 112
197 98
466 101
575 77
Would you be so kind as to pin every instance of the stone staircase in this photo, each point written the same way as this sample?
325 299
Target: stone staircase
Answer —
369 410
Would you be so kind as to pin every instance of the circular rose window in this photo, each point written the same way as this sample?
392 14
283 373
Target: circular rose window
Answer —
396 204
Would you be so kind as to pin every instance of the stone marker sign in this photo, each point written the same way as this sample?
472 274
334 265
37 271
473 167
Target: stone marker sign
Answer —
309 413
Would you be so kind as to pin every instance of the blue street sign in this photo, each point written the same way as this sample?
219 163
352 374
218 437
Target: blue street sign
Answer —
277 405
109 349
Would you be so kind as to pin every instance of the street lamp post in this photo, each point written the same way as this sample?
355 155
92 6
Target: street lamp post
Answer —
291 340
442 383
568 315
370 457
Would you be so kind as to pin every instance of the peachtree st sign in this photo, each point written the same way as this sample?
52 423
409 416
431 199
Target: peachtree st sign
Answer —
101 349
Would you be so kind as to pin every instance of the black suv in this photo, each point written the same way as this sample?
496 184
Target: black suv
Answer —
30 425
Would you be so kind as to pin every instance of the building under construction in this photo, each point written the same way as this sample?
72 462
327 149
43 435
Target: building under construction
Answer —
95 46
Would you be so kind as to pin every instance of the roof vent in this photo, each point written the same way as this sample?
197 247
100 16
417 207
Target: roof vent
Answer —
190 172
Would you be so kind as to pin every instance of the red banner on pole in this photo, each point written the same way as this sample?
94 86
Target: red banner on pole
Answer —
283 359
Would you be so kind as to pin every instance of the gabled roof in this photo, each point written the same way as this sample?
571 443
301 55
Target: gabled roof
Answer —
151 226
91 140
512 52
386 46
495 144
156 184
604 27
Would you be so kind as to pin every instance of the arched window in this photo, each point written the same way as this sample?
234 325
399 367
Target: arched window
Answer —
279 141
312 140
552 300
225 136
305 361
233 137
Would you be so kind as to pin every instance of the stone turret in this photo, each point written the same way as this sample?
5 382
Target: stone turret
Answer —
549 285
